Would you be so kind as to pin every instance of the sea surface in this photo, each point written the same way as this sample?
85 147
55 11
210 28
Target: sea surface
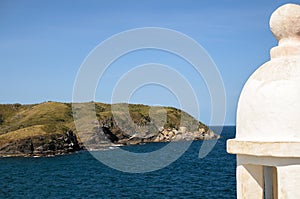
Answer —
80 175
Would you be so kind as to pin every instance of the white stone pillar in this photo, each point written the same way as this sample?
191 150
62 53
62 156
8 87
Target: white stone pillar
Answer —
267 141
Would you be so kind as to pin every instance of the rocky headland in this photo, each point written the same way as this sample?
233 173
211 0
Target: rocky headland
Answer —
48 129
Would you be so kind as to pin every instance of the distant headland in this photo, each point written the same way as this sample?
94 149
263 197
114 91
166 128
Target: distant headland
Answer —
48 129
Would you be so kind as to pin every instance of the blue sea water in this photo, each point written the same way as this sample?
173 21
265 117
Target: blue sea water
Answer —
80 175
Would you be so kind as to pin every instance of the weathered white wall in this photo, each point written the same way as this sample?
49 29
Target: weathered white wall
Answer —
251 181
288 181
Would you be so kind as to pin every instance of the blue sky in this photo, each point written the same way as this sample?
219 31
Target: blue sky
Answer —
43 44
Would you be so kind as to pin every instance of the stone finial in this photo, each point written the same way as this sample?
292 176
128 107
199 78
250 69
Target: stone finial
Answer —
285 25
285 22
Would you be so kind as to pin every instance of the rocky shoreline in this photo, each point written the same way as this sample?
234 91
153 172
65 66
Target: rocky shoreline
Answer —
68 143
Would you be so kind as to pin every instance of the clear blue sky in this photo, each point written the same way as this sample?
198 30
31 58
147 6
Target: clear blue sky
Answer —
43 43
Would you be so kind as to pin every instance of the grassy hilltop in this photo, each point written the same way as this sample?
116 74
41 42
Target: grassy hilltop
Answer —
44 127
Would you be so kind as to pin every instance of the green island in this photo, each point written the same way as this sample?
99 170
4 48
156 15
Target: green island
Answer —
48 128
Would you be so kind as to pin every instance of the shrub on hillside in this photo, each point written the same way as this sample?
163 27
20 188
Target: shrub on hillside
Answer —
1 119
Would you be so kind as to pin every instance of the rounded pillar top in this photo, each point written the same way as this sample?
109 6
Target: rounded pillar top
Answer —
269 105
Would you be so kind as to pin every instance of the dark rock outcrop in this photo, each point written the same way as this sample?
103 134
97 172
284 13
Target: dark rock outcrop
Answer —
42 145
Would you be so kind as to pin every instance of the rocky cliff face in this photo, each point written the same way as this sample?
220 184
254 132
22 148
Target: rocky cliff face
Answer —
109 134
54 144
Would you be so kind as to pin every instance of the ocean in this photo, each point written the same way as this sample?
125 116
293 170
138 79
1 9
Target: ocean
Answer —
80 175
